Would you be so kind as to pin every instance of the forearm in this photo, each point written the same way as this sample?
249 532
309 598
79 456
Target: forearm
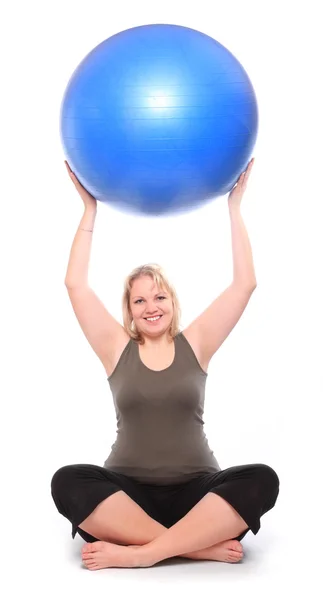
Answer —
243 267
78 265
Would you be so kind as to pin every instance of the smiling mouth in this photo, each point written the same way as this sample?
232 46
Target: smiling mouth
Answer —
153 318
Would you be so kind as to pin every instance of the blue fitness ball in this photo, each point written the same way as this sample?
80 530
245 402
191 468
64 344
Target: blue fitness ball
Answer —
159 119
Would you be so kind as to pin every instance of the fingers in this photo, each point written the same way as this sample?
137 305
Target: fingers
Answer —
245 175
71 173
249 167
67 166
69 170
242 181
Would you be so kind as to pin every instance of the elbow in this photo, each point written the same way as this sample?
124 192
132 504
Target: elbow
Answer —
249 286
72 285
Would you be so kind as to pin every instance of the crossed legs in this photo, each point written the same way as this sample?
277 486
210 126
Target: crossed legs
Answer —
121 521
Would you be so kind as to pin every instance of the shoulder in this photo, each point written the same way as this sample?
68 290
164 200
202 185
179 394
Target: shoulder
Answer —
121 343
189 338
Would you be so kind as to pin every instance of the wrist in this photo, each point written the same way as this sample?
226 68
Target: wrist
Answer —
90 210
88 220
234 208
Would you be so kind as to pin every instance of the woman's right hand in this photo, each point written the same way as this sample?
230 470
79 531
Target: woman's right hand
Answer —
88 199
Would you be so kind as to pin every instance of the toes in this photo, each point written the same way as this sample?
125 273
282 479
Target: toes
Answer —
88 563
234 558
235 545
92 547
91 564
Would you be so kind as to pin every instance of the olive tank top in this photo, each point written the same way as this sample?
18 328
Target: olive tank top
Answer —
160 438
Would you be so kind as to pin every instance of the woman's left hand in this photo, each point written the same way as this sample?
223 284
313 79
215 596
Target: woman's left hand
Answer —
235 196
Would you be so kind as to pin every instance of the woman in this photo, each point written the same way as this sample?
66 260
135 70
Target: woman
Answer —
161 492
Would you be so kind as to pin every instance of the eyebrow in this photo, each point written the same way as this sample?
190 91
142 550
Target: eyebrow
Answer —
158 294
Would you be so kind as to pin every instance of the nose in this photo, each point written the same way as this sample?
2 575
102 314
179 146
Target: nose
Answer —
151 308
151 311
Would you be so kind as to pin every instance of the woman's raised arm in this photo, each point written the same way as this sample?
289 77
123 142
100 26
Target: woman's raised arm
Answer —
101 329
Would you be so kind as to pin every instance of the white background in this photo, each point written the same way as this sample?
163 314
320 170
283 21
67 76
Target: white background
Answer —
264 388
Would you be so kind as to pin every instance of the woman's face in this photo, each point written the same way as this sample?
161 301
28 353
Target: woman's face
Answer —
147 300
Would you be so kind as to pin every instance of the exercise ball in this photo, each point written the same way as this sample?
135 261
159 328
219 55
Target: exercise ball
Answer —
158 119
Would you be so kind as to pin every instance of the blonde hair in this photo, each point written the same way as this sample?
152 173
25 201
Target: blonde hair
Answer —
157 274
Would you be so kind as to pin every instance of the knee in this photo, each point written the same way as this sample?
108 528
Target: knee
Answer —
269 476
269 481
60 480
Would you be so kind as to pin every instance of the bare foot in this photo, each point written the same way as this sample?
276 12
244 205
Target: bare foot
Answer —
229 551
101 555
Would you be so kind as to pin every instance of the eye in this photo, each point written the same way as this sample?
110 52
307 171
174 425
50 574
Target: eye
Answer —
140 299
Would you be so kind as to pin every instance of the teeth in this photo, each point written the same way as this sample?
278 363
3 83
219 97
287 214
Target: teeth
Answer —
153 319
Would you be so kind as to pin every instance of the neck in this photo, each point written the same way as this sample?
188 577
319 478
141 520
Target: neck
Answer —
157 342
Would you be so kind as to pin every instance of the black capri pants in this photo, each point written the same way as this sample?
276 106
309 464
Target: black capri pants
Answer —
250 489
